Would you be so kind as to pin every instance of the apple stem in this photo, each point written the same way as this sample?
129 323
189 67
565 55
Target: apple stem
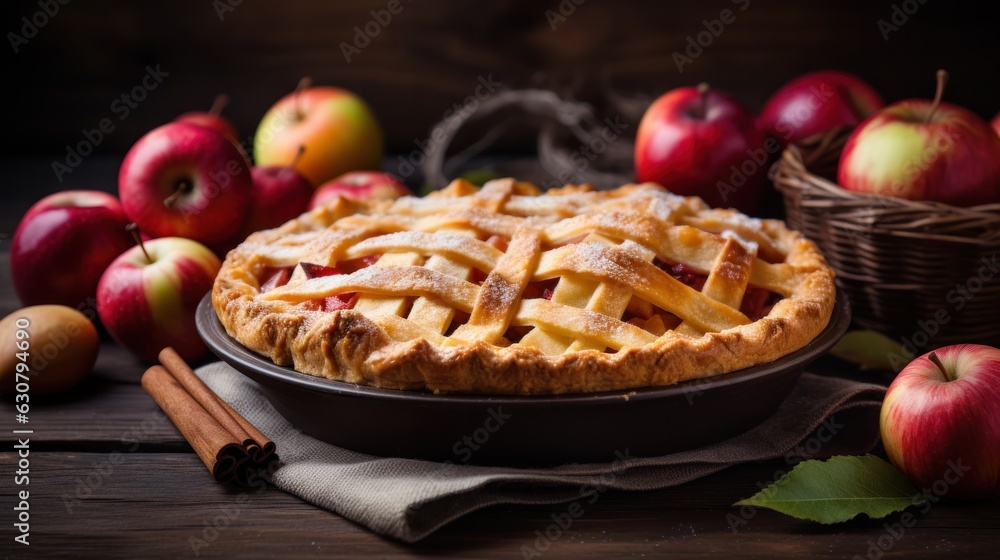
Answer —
183 187
219 104
297 157
937 361
304 83
942 80
703 93
134 230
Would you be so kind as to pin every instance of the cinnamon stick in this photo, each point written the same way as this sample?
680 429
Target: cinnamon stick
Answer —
258 446
228 444
219 449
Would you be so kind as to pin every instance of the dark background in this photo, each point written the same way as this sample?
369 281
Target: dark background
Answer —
429 57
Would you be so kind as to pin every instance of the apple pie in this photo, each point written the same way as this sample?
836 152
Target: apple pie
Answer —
504 290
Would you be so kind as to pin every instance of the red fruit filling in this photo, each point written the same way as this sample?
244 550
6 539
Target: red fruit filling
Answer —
318 270
340 301
336 302
274 278
353 265
685 274
543 289
757 302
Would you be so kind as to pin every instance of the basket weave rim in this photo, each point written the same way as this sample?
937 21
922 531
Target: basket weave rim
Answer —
896 217
794 153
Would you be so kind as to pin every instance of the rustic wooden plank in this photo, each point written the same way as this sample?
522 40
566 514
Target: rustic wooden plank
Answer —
107 410
98 415
428 57
152 505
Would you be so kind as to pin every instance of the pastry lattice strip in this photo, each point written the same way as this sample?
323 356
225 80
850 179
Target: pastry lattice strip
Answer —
423 275
588 260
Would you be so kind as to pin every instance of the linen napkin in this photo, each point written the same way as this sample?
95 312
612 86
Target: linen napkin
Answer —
409 499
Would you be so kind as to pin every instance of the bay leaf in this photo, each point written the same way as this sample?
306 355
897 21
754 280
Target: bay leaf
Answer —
838 489
869 349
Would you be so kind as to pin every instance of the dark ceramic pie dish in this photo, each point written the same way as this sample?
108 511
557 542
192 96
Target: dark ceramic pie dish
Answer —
524 430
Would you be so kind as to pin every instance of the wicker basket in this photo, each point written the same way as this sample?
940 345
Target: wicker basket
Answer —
925 273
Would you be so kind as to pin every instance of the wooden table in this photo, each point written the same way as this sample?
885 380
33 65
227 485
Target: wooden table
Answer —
110 477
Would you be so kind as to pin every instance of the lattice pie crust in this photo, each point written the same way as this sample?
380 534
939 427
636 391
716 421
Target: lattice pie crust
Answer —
504 290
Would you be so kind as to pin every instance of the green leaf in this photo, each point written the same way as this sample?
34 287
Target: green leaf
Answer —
479 177
869 349
838 489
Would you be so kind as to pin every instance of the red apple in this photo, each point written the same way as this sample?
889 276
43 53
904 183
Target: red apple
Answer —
148 296
996 123
940 421
924 150
188 181
360 185
337 128
213 119
63 244
702 143
815 103
279 194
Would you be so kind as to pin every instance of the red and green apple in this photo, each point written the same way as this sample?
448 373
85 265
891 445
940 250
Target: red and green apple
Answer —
940 421
338 129
148 296
924 150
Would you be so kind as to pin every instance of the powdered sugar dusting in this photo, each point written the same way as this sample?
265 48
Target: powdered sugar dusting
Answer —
497 295
596 258
749 245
